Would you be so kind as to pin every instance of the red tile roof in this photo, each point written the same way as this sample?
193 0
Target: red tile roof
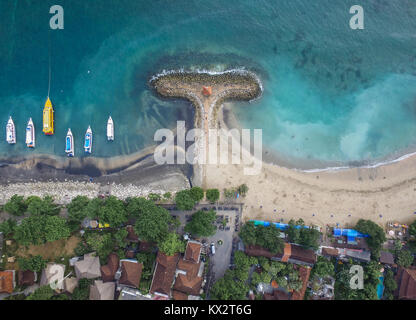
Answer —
131 273
406 280
177 295
109 270
6 281
189 283
164 273
193 251
291 252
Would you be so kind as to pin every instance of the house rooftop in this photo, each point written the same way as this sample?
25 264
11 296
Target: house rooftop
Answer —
193 251
330 252
187 280
26 278
406 281
292 253
89 267
386 258
7 281
131 272
164 274
109 270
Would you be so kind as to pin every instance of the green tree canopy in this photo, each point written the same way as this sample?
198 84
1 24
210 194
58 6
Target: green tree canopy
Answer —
8 226
213 195
323 267
153 224
38 229
109 210
242 190
412 229
228 288
266 237
376 234
404 258
82 292
45 206
197 194
78 208
201 224
184 200
16 205
102 244
171 244
137 205
35 263
42 293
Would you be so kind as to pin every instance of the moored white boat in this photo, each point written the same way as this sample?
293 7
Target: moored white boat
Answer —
69 144
10 132
110 129
88 140
30 134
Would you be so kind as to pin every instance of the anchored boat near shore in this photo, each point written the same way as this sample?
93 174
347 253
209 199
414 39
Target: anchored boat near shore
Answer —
10 132
48 127
110 129
30 134
69 147
88 140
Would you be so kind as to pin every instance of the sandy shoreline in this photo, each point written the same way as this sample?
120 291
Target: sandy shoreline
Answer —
383 193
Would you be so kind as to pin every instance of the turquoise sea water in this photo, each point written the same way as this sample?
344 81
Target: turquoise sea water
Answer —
332 94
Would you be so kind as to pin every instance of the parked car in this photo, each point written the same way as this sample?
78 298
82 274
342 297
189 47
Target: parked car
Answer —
212 248
227 229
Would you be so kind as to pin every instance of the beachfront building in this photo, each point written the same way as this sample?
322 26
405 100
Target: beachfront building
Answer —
292 254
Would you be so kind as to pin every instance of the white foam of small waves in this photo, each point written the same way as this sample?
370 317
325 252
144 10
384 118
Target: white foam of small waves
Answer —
376 165
238 71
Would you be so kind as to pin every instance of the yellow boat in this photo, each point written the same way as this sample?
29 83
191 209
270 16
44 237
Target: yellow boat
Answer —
48 118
